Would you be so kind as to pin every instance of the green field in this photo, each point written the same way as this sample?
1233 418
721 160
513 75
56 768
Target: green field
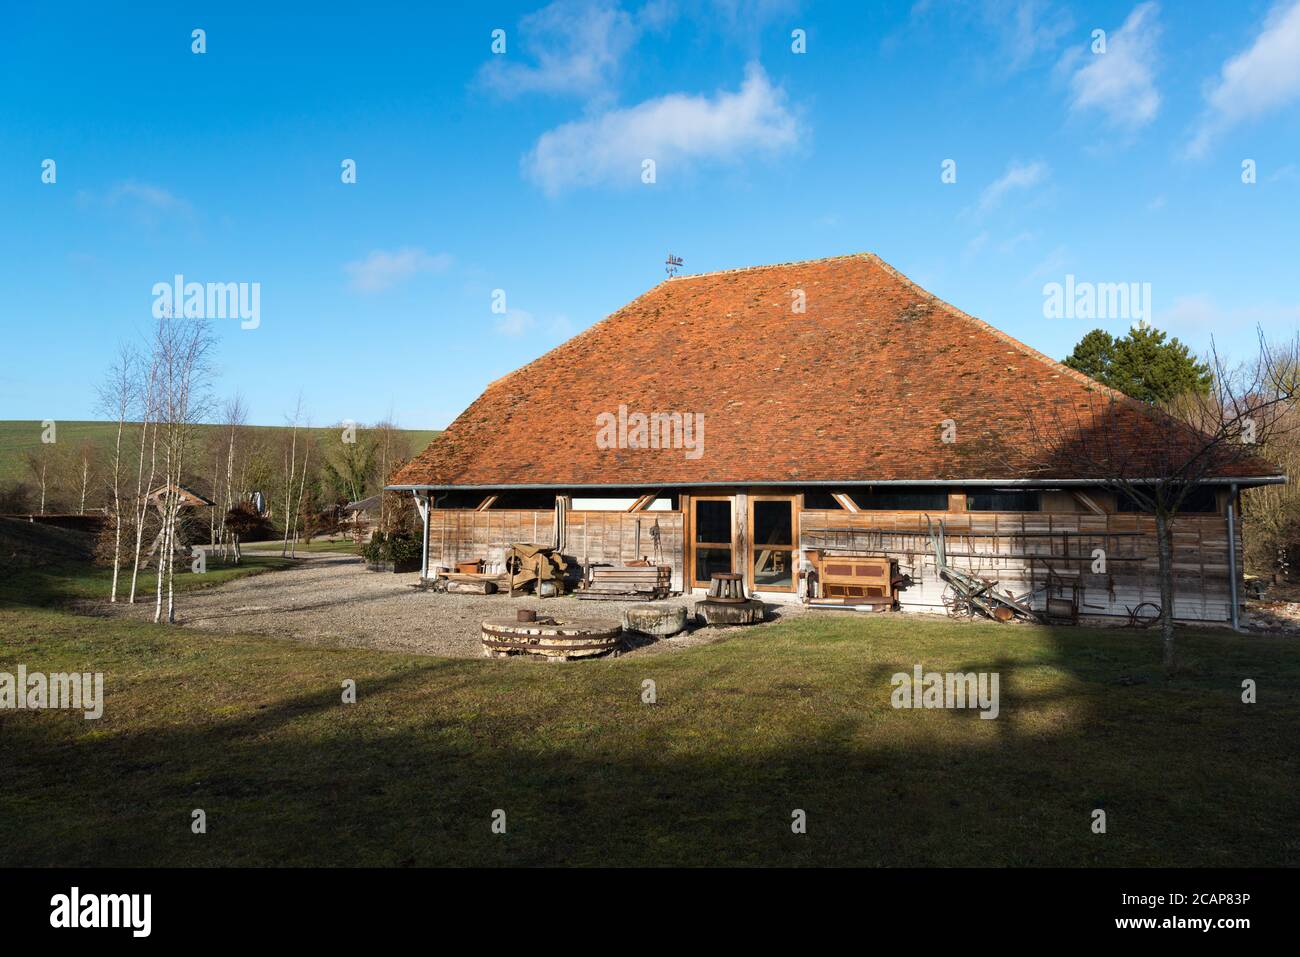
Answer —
18 437
59 585
252 730
344 546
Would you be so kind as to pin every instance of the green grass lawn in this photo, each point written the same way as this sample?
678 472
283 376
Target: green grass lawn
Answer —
253 731
320 545
60 584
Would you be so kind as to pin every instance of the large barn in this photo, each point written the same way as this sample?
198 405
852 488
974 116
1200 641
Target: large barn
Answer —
741 420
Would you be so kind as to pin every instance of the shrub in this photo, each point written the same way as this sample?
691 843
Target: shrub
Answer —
395 548
245 522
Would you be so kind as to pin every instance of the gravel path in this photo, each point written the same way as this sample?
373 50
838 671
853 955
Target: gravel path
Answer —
332 600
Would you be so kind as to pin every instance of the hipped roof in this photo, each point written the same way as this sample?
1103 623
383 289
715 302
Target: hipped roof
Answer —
855 388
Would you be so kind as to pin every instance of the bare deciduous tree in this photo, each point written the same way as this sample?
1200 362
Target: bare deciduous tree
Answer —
1157 457
181 350
118 397
38 464
235 415
147 435
84 467
290 474
1271 513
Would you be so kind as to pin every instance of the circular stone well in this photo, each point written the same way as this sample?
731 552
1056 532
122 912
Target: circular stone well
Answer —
551 638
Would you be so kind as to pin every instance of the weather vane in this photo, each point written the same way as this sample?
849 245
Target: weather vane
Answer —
672 264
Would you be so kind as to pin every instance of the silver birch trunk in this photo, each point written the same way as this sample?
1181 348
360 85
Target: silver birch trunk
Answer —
142 498
117 507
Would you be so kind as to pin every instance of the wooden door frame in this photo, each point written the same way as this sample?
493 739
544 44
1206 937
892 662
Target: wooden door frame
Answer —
688 578
751 545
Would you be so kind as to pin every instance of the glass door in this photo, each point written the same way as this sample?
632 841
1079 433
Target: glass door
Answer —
710 539
772 538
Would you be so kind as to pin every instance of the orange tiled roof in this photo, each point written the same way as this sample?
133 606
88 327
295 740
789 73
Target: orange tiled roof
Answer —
854 389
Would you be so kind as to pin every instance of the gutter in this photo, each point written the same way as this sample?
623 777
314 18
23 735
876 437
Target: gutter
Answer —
741 483
1233 612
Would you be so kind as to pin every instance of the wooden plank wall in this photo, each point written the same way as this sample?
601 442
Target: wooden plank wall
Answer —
1021 549
457 535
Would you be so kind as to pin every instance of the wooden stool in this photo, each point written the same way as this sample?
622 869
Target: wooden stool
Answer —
727 587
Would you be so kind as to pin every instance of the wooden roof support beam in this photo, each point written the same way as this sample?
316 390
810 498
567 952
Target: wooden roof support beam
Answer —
845 501
641 504
487 503
1087 502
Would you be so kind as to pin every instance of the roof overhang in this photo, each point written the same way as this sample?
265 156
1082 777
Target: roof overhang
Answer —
1026 483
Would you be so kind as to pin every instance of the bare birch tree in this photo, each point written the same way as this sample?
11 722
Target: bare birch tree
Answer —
38 465
302 487
118 398
85 464
148 439
290 474
234 414
182 348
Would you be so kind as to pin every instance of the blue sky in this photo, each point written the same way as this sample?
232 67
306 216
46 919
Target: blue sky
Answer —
522 172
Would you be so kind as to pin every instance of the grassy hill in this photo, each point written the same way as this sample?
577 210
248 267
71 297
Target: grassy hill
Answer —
19 436
27 543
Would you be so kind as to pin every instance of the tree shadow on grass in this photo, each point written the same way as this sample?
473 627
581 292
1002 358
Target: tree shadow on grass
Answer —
412 773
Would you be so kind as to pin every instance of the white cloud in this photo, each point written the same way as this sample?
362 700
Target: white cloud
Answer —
382 270
578 46
673 130
1257 81
1018 31
1010 245
1017 176
515 322
560 327
1286 173
1049 267
144 202
145 194
1029 27
1120 82
976 243
520 322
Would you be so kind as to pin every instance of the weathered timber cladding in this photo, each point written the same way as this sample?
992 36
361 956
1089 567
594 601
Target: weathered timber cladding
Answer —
1021 550
460 535
1018 549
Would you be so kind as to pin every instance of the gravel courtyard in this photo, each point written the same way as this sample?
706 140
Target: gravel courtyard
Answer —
331 599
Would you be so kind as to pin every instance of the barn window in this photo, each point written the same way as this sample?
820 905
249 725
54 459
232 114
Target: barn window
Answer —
525 499
1202 499
901 498
1002 500
820 499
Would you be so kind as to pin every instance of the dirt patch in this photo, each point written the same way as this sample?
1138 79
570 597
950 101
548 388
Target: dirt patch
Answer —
332 600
